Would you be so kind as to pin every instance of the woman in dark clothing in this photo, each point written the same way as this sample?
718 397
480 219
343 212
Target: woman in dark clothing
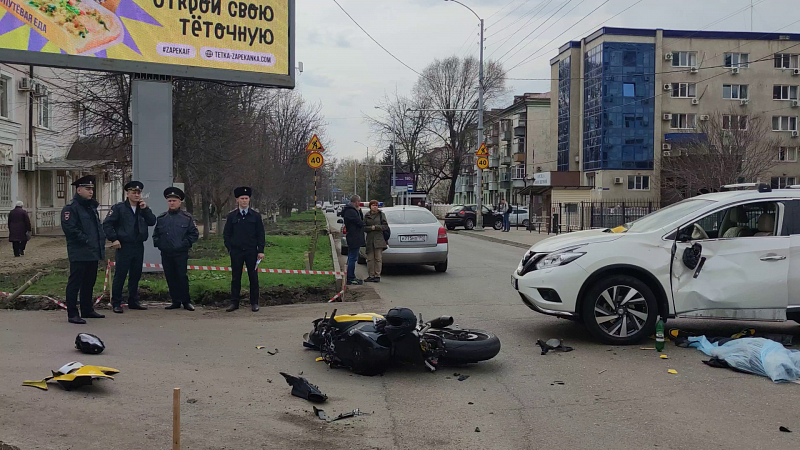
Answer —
19 228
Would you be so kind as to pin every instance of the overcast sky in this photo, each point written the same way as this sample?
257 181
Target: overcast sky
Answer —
348 74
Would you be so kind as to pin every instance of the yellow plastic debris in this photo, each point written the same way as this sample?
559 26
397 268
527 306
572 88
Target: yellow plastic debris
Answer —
672 371
260 347
319 359
41 384
664 357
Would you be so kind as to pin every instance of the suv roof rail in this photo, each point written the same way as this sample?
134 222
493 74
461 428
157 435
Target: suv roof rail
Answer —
762 187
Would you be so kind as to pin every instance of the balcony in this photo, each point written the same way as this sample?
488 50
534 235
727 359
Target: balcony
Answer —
494 162
489 176
519 157
505 176
519 131
505 185
493 186
518 183
505 160
521 148
493 141
507 135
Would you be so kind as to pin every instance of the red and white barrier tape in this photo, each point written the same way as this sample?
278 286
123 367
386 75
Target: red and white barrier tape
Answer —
340 295
228 269
105 282
8 294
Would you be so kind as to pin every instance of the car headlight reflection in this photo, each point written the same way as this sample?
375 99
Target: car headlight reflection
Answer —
559 258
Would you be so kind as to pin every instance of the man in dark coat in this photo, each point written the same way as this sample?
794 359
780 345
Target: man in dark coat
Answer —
174 234
85 247
354 223
19 228
244 239
126 227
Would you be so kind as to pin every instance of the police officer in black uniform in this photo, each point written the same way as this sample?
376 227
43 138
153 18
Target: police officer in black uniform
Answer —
126 227
244 239
174 234
85 247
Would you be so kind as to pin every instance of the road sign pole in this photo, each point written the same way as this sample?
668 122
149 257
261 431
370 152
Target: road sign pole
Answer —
315 199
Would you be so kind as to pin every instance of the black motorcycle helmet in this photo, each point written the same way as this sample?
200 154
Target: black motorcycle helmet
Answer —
89 343
399 322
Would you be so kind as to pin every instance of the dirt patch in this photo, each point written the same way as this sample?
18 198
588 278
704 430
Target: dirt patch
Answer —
4 446
27 303
40 252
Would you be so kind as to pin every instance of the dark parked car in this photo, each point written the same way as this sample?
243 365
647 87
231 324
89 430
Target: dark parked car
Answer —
464 216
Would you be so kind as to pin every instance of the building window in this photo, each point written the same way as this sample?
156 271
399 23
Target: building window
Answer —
734 91
781 182
45 111
518 172
83 124
784 123
683 90
784 92
590 179
5 186
684 59
6 88
61 184
788 154
734 122
683 121
638 182
46 188
628 90
564 82
737 60
785 61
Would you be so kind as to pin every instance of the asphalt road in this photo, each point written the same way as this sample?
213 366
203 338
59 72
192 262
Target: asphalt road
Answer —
593 397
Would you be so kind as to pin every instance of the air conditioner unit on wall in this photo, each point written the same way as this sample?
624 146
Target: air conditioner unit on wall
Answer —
39 89
26 163
25 84
617 180
668 57
667 116
704 117
667 87
795 103
796 72
693 69
666 154
695 101
666 146
744 102
735 71
794 134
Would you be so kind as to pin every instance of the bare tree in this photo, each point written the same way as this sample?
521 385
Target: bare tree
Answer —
450 87
727 148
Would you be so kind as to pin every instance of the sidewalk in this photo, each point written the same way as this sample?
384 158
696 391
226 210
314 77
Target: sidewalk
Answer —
517 238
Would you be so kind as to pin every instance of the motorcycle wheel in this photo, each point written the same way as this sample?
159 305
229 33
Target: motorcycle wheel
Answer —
464 346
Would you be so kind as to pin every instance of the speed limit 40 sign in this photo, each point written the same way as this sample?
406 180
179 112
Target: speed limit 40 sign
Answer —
315 160
483 162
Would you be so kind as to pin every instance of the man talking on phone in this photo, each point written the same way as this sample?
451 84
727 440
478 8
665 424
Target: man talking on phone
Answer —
126 227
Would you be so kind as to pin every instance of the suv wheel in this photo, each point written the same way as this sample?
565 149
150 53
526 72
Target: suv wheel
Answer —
498 224
469 224
620 310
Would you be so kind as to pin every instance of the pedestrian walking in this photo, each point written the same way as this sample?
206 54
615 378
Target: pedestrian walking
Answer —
375 225
505 208
19 229
85 247
244 239
174 235
126 226
354 223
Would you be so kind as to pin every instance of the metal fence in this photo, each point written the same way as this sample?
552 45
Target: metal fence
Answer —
566 217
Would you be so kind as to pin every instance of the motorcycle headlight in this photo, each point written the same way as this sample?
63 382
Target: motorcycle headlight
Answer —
559 258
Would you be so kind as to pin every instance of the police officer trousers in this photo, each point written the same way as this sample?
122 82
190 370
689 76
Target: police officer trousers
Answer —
237 260
175 273
129 259
82 276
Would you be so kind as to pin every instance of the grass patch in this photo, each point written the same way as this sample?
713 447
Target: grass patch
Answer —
287 241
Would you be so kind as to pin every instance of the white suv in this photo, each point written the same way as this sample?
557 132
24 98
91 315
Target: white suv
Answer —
727 255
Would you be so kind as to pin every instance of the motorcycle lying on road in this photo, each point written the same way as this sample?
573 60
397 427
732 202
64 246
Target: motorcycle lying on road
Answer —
368 343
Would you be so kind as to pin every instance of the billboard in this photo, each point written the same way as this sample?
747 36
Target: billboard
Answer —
403 180
248 41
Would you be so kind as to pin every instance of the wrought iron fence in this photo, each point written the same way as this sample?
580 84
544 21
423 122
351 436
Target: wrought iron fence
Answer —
567 217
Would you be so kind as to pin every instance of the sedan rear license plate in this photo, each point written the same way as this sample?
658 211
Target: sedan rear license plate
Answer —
413 238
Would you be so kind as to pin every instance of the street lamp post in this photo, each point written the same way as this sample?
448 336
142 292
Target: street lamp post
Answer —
367 169
479 183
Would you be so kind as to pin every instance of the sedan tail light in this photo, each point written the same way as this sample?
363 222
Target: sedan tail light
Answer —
442 239
462 213
344 230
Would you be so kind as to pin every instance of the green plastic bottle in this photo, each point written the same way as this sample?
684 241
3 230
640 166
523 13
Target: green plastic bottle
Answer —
660 335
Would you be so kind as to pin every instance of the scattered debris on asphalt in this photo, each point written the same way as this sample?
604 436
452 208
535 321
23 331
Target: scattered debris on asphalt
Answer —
602 371
274 353
89 344
759 356
73 375
320 413
553 345
303 389
785 430
260 347
647 348
477 430
560 383
463 377
672 371
191 400
470 403
664 357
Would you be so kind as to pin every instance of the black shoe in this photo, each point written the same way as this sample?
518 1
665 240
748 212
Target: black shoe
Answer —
254 307
76 320
376 279
22 253
93 315
189 307
136 305
355 282
174 306
234 306
118 309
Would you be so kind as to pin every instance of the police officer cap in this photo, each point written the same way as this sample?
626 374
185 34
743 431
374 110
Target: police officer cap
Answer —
134 186
172 191
87 181
244 190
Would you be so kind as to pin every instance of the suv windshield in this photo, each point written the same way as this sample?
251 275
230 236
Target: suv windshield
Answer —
666 216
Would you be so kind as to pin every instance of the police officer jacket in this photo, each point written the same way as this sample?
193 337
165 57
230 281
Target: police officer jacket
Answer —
175 232
244 234
83 230
121 223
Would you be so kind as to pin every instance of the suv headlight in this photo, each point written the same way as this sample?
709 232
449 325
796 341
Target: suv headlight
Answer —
559 258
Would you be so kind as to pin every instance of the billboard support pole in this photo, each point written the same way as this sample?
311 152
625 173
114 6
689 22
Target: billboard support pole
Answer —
151 108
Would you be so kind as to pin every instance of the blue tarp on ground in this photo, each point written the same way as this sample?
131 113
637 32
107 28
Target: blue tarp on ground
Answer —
754 355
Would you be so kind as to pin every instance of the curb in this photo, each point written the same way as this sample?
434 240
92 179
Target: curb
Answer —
491 239
335 254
